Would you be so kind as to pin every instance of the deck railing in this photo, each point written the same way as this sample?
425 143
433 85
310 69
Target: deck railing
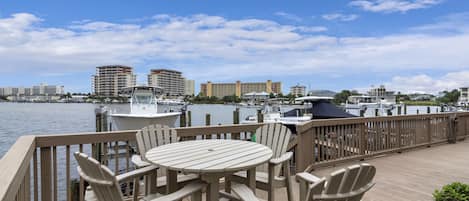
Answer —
42 167
328 142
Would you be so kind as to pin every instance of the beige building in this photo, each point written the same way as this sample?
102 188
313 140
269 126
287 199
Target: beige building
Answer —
171 81
298 90
189 87
109 80
238 89
464 96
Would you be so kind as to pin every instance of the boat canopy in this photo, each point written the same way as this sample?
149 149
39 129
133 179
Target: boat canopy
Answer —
313 98
322 109
130 90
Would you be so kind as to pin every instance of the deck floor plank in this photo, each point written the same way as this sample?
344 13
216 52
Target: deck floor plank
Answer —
409 176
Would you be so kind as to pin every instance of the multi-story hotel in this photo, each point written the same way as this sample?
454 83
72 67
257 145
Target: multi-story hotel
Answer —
109 80
463 96
171 81
238 89
189 87
298 90
39 90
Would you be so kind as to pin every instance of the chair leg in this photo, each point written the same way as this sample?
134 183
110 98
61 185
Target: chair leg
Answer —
271 189
136 189
196 196
286 173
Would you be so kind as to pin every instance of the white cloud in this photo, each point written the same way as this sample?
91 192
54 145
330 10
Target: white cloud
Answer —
339 17
423 83
289 16
215 48
390 6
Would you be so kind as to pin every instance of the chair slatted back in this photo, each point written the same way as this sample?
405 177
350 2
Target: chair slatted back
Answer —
276 137
351 183
102 180
154 135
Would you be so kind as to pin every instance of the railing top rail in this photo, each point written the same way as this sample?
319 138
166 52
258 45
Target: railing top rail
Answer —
129 135
14 165
357 120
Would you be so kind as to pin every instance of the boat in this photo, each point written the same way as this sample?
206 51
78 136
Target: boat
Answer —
143 110
376 98
170 102
313 107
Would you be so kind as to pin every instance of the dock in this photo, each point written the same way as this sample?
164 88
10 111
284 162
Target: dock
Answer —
414 155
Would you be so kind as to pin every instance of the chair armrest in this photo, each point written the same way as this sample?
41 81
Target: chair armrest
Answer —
138 162
183 192
137 173
307 177
285 157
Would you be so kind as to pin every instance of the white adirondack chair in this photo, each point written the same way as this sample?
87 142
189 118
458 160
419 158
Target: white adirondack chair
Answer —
348 184
105 185
150 137
268 177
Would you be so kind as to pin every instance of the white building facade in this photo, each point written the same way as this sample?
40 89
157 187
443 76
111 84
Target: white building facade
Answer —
109 80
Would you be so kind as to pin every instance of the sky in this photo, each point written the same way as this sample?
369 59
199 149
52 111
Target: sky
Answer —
407 45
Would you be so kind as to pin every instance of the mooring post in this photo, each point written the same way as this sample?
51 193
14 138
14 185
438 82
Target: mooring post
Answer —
399 108
362 112
405 109
182 119
207 119
260 117
236 116
189 118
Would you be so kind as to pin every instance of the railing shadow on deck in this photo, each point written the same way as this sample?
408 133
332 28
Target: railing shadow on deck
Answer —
41 167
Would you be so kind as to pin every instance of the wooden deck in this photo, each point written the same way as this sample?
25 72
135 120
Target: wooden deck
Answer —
412 175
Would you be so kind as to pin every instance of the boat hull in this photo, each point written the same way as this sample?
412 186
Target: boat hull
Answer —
136 122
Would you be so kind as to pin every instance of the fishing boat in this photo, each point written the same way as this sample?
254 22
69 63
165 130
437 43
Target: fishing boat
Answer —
143 110
313 107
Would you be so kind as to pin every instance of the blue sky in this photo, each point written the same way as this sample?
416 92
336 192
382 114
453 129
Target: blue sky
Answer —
408 45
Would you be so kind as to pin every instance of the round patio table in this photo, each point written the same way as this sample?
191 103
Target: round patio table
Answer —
211 159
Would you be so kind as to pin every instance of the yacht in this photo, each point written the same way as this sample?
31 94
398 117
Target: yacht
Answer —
143 110
313 107
376 98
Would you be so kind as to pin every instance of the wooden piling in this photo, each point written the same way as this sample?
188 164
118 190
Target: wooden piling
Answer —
428 110
189 118
182 119
362 112
260 116
399 108
405 109
236 116
207 119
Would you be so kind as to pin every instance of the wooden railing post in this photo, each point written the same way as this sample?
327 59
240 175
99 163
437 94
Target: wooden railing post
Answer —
46 174
429 131
452 125
305 148
361 140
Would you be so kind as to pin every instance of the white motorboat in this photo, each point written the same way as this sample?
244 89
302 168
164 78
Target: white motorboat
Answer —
143 110
314 107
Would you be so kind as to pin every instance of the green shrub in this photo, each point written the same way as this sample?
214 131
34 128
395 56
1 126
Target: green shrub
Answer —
453 192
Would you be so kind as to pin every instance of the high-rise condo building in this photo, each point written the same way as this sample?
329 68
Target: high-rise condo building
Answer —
171 81
298 90
238 89
109 80
189 87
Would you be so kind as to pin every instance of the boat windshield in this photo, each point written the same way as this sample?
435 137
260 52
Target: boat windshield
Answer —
143 99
